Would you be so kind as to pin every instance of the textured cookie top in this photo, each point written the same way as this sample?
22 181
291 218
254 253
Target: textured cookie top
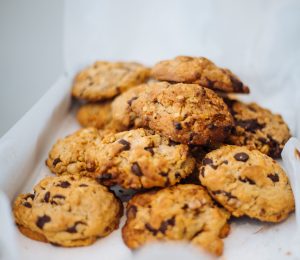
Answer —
258 128
200 71
139 159
67 211
247 183
95 114
185 113
123 118
182 212
105 80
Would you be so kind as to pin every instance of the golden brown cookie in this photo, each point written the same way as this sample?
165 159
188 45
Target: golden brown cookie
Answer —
182 212
67 211
257 128
198 70
247 182
105 80
95 114
185 113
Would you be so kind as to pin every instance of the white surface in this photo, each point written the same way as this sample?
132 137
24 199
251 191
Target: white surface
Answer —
257 40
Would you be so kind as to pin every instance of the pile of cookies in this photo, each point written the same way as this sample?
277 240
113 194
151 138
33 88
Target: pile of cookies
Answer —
193 155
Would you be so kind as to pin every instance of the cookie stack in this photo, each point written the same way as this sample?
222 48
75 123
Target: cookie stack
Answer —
172 134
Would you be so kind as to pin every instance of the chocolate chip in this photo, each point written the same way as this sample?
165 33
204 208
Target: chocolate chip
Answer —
173 143
73 229
47 196
131 212
177 126
247 180
177 175
83 185
56 161
274 177
27 204
64 184
149 149
207 161
129 102
151 229
185 207
104 177
242 157
58 196
41 221
126 145
251 125
135 168
163 174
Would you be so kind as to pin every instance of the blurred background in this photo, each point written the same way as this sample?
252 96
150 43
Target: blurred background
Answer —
41 40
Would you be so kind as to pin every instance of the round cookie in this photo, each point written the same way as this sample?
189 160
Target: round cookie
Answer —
105 80
67 211
198 70
181 212
247 182
185 113
95 114
68 154
138 159
123 118
257 128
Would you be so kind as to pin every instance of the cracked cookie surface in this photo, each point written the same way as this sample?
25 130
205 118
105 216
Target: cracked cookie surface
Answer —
185 113
247 182
104 80
181 212
198 70
67 211
257 128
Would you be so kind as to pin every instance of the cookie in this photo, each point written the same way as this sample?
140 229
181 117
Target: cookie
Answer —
185 113
105 80
247 182
258 128
95 114
68 154
123 118
182 212
198 70
139 159
67 211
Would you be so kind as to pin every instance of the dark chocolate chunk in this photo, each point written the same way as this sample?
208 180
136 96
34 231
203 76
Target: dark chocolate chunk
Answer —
207 161
163 174
64 184
41 221
177 175
242 157
185 206
149 149
274 177
177 126
56 161
131 212
104 177
135 168
251 125
247 180
73 229
126 145
151 229
27 204
129 102
47 196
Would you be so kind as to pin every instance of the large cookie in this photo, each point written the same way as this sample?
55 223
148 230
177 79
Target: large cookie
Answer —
200 71
257 128
185 113
182 212
105 80
67 211
95 114
247 182
138 159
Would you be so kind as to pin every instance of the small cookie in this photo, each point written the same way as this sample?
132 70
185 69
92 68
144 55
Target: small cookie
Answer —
105 80
247 183
123 118
68 154
182 212
95 114
67 211
185 113
198 70
138 159
257 128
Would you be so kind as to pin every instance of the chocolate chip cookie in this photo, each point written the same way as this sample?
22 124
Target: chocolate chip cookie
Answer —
105 80
257 128
95 114
139 159
67 211
182 212
198 70
247 182
185 113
